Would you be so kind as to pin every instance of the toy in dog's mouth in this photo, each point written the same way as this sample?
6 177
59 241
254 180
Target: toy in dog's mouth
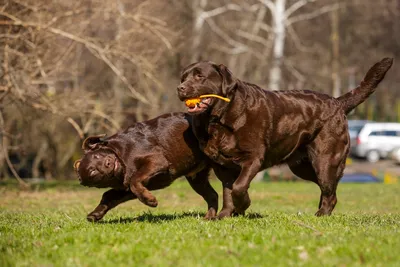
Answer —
200 104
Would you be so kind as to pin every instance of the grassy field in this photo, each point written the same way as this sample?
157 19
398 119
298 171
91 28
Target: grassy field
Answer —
47 227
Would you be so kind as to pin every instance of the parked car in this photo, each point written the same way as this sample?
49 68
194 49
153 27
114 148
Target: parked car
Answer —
355 127
395 155
376 140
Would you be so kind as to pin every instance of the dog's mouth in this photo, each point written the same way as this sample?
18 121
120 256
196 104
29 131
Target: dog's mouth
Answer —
198 105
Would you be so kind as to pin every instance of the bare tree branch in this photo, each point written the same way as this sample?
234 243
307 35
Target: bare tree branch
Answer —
252 37
312 15
294 71
154 30
228 7
238 47
76 127
270 5
120 75
296 6
297 41
7 158
90 45
266 27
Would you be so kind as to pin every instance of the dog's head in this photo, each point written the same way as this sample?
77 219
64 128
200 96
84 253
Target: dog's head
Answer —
204 78
100 166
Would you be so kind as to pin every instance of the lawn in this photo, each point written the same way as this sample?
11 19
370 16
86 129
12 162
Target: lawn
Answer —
47 227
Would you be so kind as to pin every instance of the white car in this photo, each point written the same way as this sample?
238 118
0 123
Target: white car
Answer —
395 155
355 127
376 140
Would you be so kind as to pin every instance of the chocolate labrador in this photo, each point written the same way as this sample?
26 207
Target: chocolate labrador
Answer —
258 129
147 156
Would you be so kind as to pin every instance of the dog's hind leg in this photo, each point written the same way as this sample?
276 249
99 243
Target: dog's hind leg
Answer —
327 181
328 158
304 170
200 183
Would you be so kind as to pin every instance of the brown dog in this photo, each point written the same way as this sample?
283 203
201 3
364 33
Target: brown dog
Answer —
259 129
149 155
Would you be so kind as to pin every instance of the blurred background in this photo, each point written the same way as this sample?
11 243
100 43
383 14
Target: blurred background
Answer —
69 69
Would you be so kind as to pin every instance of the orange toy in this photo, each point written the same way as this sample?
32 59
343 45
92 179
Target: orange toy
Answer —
194 101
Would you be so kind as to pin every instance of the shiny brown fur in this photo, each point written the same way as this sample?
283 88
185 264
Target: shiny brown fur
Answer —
147 156
258 129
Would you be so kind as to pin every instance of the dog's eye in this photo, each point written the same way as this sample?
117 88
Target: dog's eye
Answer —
199 76
184 77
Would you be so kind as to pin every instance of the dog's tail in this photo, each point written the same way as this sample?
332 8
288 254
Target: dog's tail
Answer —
371 80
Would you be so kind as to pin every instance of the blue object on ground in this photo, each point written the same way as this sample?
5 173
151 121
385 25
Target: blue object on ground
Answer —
360 178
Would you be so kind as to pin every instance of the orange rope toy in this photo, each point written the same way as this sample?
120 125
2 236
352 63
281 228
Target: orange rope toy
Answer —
194 101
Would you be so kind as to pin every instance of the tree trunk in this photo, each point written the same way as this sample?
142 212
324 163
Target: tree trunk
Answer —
279 31
117 84
335 53
39 157
275 73
4 146
198 9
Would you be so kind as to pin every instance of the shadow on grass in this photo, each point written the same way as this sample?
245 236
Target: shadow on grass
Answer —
160 218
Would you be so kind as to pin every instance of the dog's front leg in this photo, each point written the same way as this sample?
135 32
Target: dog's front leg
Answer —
227 177
136 187
241 185
110 199
145 168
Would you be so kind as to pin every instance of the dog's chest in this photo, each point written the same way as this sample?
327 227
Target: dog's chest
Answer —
221 145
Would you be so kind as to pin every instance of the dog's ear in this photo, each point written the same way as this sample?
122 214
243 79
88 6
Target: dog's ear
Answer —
93 142
228 81
76 165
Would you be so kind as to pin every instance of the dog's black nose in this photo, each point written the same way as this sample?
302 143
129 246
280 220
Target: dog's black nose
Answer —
181 89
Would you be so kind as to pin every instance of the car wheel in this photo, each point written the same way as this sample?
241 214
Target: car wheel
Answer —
373 156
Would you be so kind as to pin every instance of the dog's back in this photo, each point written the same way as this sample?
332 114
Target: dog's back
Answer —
170 134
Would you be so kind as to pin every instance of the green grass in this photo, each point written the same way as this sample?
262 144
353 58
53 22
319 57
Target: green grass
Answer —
47 227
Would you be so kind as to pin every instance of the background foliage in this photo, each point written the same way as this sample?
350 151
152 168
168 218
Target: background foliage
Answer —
69 69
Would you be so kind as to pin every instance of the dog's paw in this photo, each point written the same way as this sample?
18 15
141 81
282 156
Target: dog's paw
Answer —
241 201
94 216
150 201
322 212
211 214
225 213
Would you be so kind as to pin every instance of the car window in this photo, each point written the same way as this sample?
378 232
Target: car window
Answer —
356 128
376 133
385 133
392 133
